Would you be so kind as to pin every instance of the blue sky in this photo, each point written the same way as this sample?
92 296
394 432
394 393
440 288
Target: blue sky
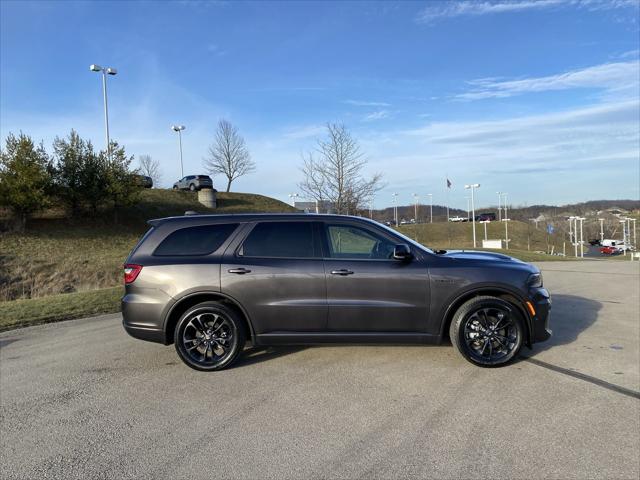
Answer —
536 98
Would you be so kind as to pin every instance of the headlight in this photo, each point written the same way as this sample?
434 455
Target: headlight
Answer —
535 280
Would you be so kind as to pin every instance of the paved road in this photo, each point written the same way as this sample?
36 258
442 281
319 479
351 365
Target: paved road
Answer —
81 399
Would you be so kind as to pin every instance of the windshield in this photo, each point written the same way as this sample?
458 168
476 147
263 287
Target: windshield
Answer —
404 237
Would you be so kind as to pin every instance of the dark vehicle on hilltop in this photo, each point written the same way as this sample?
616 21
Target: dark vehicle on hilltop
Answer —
208 283
143 181
193 183
486 217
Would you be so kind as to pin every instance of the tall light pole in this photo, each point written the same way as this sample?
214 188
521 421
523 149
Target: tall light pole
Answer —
634 232
430 195
506 232
573 229
395 208
179 129
105 71
499 209
601 220
581 220
472 187
468 199
415 207
504 204
293 197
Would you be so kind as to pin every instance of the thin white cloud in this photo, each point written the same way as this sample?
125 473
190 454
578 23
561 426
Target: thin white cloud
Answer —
607 134
449 9
305 131
612 77
360 103
377 115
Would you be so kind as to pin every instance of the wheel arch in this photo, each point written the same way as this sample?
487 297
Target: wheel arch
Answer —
188 301
498 292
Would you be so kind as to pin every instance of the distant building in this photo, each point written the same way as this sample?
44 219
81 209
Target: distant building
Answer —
315 206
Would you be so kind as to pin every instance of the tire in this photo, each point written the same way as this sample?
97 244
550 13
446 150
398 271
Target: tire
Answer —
175 187
472 334
205 329
192 187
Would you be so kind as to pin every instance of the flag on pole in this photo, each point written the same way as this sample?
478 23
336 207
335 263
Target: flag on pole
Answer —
449 183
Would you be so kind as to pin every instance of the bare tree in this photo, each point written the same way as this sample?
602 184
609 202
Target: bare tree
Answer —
150 168
334 173
228 154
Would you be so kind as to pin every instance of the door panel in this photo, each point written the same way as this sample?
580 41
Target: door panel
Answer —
279 293
369 293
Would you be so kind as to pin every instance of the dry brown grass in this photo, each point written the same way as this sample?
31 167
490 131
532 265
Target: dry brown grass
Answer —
56 255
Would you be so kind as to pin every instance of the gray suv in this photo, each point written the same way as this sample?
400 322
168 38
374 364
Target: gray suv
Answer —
193 183
209 283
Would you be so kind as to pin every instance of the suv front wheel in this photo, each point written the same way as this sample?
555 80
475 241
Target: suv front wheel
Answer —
487 331
209 336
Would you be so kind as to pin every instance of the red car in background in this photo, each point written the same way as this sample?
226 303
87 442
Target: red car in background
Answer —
610 251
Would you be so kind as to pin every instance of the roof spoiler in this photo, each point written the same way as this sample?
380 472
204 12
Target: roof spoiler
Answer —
158 221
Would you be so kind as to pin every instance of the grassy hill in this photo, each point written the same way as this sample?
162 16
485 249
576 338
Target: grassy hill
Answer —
58 255
522 235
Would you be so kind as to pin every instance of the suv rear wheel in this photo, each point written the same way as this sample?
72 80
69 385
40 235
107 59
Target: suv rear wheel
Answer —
487 331
209 336
192 187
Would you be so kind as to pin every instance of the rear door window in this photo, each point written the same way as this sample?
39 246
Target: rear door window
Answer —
200 240
281 240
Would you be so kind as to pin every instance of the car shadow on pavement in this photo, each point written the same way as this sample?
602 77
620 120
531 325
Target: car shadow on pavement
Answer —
570 316
257 354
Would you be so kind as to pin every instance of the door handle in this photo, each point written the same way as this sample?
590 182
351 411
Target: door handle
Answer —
342 271
239 271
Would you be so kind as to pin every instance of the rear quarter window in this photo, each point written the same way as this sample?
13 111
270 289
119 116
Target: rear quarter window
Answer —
200 240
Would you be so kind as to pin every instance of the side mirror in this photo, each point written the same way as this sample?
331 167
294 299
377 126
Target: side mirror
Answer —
402 252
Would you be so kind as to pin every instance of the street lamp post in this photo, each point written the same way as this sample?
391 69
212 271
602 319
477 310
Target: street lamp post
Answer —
581 220
504 204
395 208
430 195
506 232
499 206
601 220
573 234
485 227
472 187
468 199
179 129
105 71
415 207
293 197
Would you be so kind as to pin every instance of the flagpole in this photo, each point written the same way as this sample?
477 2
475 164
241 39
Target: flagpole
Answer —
447 185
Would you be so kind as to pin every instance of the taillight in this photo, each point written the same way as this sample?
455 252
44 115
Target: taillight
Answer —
131 272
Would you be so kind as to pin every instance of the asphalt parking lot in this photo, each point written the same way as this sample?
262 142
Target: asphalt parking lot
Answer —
81 399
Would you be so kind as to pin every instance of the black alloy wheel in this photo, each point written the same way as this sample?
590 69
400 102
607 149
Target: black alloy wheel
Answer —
487 331
209 336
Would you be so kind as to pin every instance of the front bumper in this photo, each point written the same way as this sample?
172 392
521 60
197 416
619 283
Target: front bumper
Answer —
541 301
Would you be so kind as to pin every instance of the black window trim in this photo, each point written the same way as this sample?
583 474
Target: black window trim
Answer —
317 248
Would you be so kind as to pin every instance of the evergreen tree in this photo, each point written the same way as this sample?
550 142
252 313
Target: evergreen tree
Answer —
25 179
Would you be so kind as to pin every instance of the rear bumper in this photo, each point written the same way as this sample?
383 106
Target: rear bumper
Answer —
541 301
143 333
142 315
